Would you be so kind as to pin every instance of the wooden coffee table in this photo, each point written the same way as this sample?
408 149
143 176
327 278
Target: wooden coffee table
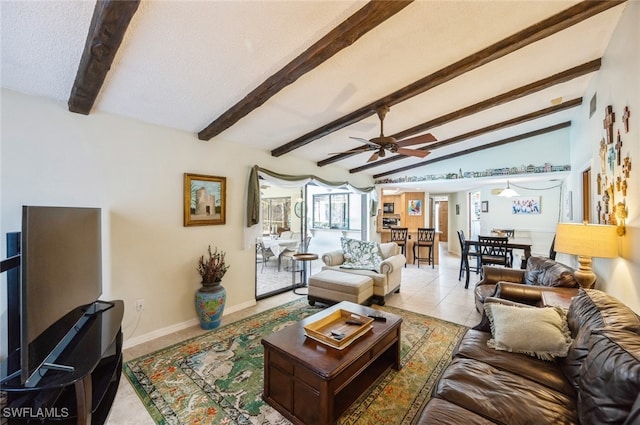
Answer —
310 382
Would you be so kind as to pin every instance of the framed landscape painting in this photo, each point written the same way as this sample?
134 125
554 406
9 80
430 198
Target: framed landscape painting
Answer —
204 199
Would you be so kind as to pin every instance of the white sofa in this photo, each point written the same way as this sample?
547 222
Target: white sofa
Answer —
385 282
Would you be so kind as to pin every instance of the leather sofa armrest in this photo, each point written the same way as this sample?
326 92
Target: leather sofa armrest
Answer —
492 275
392 263
528 294
333 258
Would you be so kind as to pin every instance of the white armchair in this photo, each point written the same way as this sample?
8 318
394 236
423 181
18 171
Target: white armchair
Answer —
385 282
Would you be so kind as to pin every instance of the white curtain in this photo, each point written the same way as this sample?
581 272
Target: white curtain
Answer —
253 227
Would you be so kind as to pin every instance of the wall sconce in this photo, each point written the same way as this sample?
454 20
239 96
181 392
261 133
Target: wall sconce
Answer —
621 216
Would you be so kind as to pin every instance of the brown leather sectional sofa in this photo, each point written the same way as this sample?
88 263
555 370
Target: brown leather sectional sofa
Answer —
540 271
597 382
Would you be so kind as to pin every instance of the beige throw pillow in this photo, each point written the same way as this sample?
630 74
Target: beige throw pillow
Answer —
538 332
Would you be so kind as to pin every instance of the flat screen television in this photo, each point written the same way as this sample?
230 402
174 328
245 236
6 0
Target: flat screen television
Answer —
61 269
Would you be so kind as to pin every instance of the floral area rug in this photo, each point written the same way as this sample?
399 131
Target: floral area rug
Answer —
217 378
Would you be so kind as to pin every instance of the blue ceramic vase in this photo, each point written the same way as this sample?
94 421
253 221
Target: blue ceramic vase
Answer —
210 300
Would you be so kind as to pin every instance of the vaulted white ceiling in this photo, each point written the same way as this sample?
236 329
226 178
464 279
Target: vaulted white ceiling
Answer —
184 63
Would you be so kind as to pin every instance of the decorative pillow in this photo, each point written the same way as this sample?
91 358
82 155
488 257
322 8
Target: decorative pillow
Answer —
538 332
360 255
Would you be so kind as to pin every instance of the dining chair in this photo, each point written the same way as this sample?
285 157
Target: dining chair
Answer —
510 233
552 249
286 257
400 235
263 254
288 254
466 253
493 250
426 237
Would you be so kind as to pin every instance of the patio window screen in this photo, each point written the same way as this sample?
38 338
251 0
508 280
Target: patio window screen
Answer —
331 211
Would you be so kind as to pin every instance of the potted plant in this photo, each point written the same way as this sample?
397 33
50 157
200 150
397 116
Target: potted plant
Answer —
211 297
212 269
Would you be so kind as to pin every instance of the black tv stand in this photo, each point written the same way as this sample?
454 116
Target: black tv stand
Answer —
83 395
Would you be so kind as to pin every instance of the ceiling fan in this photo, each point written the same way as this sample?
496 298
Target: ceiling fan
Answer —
388 143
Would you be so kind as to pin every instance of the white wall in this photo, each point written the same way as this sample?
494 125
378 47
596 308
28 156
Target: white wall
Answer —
134 172
617 84
458 221
551 147
539 228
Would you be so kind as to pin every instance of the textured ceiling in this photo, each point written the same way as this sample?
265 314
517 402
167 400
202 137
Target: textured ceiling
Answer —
183 63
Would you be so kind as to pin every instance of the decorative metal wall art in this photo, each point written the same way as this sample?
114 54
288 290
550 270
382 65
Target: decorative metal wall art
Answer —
612 180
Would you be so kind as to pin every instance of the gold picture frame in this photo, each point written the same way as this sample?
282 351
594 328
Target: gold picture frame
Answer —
205 200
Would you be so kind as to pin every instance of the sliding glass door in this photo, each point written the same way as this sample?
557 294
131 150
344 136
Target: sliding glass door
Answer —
281 238
302 219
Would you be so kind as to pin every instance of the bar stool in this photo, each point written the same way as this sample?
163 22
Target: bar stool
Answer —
399 235
426 237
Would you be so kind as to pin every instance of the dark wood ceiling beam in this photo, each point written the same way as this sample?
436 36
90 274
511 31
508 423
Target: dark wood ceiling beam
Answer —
502 142
108 26
344 35
562 77
509 96
529 35
475 133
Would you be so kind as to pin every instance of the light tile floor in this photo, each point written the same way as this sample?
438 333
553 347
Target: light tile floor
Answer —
435 292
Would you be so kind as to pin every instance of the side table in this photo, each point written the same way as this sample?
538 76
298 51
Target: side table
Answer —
304 257
557 299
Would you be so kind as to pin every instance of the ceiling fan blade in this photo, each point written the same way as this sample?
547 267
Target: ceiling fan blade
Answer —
373 157
413 152
355 150
368 142
423 138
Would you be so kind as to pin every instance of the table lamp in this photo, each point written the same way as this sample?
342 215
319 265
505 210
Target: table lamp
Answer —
586 241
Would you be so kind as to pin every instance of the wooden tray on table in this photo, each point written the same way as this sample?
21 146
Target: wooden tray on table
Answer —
339 329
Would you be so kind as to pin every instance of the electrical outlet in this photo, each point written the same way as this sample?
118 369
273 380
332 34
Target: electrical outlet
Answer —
140 304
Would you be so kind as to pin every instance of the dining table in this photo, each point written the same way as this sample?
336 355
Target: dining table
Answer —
278 246
513 243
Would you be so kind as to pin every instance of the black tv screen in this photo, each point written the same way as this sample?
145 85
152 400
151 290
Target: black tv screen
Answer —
61 265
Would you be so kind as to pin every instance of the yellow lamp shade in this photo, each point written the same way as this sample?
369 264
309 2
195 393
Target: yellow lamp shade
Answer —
588 240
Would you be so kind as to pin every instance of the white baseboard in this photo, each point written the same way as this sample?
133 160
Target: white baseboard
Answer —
131 342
